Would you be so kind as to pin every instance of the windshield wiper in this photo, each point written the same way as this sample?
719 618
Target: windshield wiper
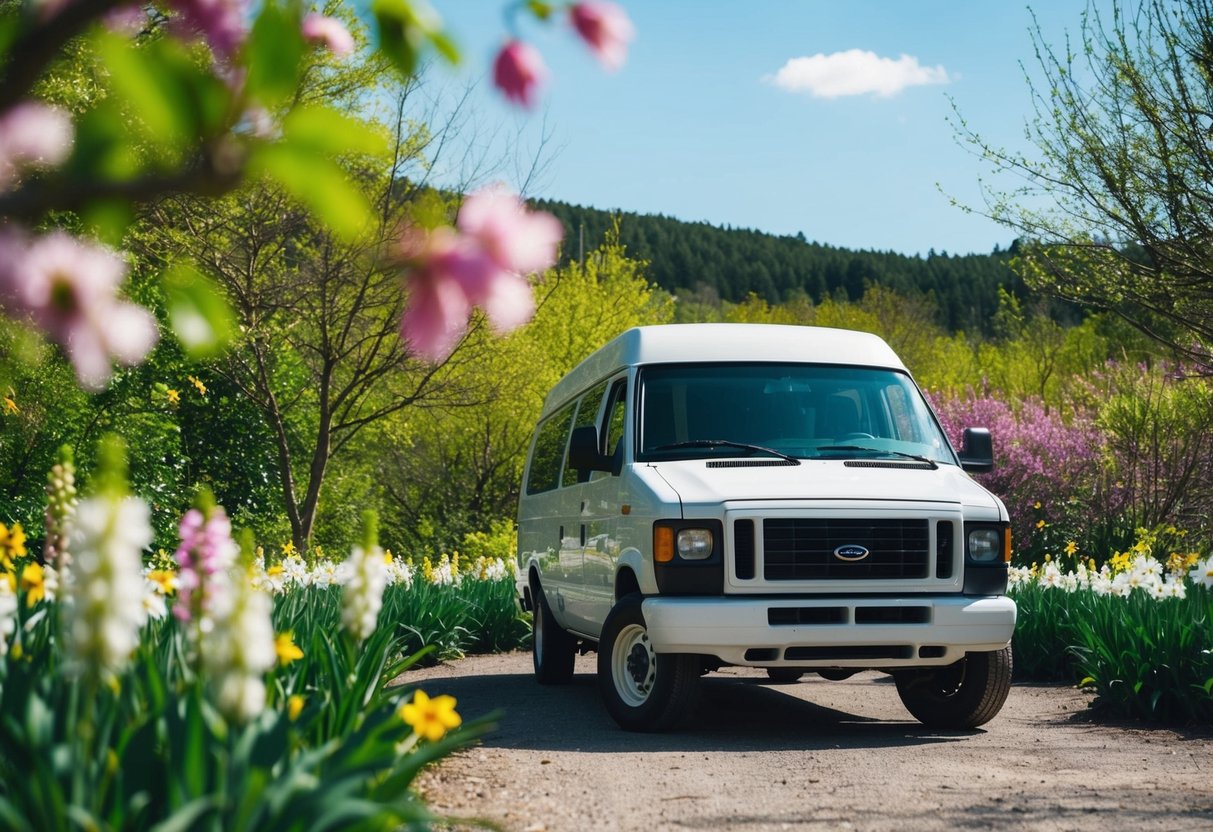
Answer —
915 457
727 443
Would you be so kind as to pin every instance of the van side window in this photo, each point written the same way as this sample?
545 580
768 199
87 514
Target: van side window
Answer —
614 418
587 415
548 455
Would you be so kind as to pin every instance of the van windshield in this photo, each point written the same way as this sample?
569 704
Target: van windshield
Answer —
805 411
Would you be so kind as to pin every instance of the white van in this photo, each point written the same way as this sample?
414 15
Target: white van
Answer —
702 495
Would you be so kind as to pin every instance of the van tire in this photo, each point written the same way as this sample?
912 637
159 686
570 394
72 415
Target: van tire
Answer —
784 675
960 696
553 649
643 690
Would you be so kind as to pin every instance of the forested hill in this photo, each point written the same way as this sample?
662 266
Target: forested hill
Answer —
695 257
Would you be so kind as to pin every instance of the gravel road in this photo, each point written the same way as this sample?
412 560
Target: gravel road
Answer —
811 755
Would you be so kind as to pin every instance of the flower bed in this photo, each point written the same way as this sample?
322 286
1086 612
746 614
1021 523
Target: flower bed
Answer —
1138 630
212 691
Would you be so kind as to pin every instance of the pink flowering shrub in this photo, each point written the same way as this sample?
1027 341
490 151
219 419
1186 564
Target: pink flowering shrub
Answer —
1048 470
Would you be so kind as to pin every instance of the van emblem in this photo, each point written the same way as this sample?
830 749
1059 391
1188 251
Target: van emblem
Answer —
851 553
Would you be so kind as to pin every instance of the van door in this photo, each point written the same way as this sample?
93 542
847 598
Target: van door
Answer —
604 498
542 512
578 524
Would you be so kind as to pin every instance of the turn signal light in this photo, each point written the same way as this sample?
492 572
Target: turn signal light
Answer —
663 544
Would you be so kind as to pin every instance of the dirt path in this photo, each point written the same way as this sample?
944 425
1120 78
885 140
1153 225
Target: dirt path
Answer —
813 755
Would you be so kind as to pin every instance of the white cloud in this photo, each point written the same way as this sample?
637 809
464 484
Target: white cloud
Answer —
855 72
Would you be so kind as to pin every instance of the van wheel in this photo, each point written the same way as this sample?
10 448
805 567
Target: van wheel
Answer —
642 689
784 675
963 695
553 649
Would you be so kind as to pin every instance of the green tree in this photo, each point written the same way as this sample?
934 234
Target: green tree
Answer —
1117 211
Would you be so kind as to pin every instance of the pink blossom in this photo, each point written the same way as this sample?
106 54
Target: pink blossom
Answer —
328 32
438 305
481 264
518 240
32 134
518 71
69 287
606 28
206 553
222 23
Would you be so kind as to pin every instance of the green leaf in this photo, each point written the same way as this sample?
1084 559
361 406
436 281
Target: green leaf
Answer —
275 48
108 219
540 9
198 311
403 33
445 47
152 92
318 183
330 133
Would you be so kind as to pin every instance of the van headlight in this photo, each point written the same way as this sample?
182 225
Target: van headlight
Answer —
985 544
695 544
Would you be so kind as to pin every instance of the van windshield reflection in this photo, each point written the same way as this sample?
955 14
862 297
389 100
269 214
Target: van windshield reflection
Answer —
787 410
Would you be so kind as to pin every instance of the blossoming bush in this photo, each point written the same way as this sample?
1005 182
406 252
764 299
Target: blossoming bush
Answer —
208 691
1049 470
1138 630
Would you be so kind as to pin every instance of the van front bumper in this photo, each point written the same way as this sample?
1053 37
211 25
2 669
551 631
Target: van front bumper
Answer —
831 632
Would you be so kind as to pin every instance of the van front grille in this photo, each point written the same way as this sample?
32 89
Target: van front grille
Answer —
803 549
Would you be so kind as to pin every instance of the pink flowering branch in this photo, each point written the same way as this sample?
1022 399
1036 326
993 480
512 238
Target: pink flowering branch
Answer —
481 262
518 69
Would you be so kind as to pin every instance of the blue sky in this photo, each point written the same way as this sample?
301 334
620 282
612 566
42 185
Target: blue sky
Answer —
700 123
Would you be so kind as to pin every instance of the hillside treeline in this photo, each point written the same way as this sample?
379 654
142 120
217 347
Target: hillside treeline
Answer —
695 259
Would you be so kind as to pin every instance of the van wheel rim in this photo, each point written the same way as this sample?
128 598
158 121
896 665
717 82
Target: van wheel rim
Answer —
633 665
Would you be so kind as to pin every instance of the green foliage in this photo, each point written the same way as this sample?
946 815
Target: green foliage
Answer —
1147 659
705 265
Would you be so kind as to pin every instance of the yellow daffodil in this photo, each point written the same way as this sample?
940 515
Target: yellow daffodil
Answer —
12 544
430 718
174 398
1040 524
288 549
287 650
274 570
1036 505
33 582
1071 548
164 579
294 706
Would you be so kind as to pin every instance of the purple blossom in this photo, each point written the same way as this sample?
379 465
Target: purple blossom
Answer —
1043 463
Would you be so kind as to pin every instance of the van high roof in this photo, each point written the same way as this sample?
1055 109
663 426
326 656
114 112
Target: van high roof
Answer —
693 343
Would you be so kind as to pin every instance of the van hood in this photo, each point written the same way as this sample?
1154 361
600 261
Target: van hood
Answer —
816 479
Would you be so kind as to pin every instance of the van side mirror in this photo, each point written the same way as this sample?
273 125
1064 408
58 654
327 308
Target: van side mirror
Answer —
977 453
583 451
